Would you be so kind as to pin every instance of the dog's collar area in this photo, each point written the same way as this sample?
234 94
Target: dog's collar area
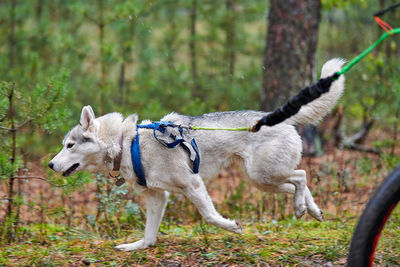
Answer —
118 179
117 159
117 165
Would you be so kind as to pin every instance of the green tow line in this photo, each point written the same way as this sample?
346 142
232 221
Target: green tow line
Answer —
222 129
345 69
367 51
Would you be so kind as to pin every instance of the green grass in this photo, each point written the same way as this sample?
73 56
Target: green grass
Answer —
287 242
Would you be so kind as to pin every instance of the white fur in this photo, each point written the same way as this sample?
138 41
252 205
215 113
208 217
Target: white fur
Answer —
270 157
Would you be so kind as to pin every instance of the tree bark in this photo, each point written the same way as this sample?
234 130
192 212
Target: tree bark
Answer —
11 37
101 25
192 49
171 36
121 83
230 55
289 56
12 159
126 51
39 9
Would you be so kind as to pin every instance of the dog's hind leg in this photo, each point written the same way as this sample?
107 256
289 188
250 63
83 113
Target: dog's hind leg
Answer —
156 201
197 193
312 208
299 180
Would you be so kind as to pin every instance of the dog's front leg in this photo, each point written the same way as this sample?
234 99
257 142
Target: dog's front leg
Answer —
156 201
196 191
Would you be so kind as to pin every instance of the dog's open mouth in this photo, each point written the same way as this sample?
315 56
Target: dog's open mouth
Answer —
70 170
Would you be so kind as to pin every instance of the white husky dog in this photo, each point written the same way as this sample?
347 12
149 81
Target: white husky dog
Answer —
270 156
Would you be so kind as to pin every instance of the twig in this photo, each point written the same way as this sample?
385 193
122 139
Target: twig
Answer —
361 148
355 141
40 178
339 136
5 128
18 126
77 51
25 122
2 118
86 15
361 135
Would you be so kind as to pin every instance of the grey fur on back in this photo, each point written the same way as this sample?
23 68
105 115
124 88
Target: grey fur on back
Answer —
281 142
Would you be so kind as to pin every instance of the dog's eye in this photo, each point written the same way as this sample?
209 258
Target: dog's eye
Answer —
70 145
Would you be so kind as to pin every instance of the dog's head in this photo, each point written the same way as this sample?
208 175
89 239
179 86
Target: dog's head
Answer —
87 146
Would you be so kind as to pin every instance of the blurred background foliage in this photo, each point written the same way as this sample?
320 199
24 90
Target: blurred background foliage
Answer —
145 57
133 56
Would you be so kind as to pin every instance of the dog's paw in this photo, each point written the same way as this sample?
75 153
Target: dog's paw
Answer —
238 229
314 211
318 215
132 246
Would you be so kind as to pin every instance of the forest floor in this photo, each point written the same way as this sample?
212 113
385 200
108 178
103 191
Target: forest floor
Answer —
287 242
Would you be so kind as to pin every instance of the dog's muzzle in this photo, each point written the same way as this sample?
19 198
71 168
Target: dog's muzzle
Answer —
70 170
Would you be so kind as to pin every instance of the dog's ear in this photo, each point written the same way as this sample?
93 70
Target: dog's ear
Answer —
87 117
91 110
134 118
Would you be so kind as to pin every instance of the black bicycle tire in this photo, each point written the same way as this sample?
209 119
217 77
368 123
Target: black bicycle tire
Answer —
372 221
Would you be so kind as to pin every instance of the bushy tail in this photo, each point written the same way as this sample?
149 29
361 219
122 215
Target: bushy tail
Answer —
313 112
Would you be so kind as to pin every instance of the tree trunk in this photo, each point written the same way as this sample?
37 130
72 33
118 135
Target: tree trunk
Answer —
230 39
39 9
12 44
192 49
12 159
289 56
101 25
127 59
11 37
171 36
121 83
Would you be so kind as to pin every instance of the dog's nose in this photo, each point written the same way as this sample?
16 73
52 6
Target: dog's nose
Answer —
51 165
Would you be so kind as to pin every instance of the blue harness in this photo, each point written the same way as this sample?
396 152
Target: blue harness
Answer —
161 127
